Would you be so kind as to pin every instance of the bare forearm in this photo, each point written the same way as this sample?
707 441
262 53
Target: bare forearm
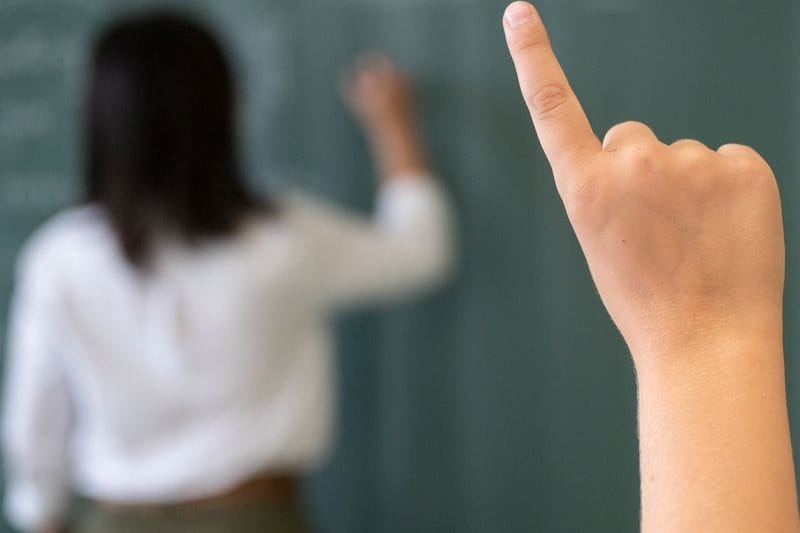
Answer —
715 446
397 149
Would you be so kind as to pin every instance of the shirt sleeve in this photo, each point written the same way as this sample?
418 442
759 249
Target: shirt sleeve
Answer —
406 247
35 409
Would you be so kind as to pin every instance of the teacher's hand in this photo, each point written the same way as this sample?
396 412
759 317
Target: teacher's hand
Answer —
381 98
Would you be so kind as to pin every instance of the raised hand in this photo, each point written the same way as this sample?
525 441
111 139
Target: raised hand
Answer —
685 245
381 98
377 91
676 236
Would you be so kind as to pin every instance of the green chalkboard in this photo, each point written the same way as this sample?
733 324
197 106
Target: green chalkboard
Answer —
505 403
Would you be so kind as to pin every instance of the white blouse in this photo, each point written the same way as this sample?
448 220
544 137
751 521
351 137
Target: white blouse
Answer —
213 366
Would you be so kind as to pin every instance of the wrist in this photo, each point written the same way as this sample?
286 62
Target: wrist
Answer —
723 360
720 358
397 149
703 338
391 127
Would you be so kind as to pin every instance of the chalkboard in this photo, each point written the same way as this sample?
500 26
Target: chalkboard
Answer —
506 402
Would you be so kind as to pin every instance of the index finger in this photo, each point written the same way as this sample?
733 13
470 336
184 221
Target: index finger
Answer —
564 131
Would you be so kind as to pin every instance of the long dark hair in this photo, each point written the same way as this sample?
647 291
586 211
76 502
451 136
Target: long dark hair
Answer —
161 147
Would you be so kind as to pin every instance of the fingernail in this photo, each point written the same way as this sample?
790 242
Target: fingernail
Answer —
518 14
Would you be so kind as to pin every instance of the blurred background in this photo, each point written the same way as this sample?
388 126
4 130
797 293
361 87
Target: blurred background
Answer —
506 402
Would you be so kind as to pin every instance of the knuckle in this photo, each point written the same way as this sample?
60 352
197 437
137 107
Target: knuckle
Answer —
753 170
758 165
616 129
532 40
631 125
614 132
734 148
694 166
639 159
746 158
618 134
529 42
547 101
693 159
687 143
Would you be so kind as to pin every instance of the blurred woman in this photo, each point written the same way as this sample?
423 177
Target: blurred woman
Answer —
170 346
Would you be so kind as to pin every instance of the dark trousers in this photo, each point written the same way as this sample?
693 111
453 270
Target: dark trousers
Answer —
255 517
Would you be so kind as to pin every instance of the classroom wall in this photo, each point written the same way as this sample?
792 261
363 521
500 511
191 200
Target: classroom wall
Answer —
505 402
